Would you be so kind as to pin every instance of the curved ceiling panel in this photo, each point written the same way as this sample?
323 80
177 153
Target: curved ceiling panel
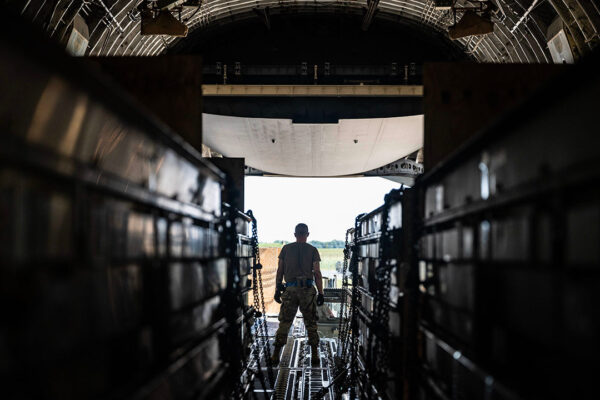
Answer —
278 146
519 35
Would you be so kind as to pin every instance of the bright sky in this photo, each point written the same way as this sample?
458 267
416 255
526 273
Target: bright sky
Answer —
327 205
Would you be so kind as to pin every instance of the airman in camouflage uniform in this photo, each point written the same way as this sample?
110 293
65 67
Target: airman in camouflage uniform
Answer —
299 264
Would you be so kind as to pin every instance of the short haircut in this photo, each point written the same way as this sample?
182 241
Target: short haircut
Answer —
301 229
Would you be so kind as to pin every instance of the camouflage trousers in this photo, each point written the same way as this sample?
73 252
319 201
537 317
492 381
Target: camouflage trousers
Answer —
293 298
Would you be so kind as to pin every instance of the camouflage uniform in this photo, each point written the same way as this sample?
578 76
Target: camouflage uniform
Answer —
292 298
298 260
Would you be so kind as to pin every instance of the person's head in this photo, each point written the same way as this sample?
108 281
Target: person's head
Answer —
301 232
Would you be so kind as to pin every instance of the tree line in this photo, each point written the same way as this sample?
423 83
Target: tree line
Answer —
332 244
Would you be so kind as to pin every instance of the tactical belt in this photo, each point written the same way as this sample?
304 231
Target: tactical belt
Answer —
300 283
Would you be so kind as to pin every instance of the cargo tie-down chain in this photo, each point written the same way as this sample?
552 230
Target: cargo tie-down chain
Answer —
259 300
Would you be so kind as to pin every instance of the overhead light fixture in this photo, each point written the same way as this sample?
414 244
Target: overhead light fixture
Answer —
475 20
79 37
162 23
443 4
470 24
158 18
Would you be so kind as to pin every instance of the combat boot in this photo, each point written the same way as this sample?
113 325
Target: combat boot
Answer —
275 355
315 359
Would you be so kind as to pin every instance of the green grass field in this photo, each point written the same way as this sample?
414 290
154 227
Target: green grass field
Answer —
329 257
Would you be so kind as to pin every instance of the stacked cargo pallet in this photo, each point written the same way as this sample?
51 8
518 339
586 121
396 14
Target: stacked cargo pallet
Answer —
113 270
244 348
509 254
379 271
496 263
